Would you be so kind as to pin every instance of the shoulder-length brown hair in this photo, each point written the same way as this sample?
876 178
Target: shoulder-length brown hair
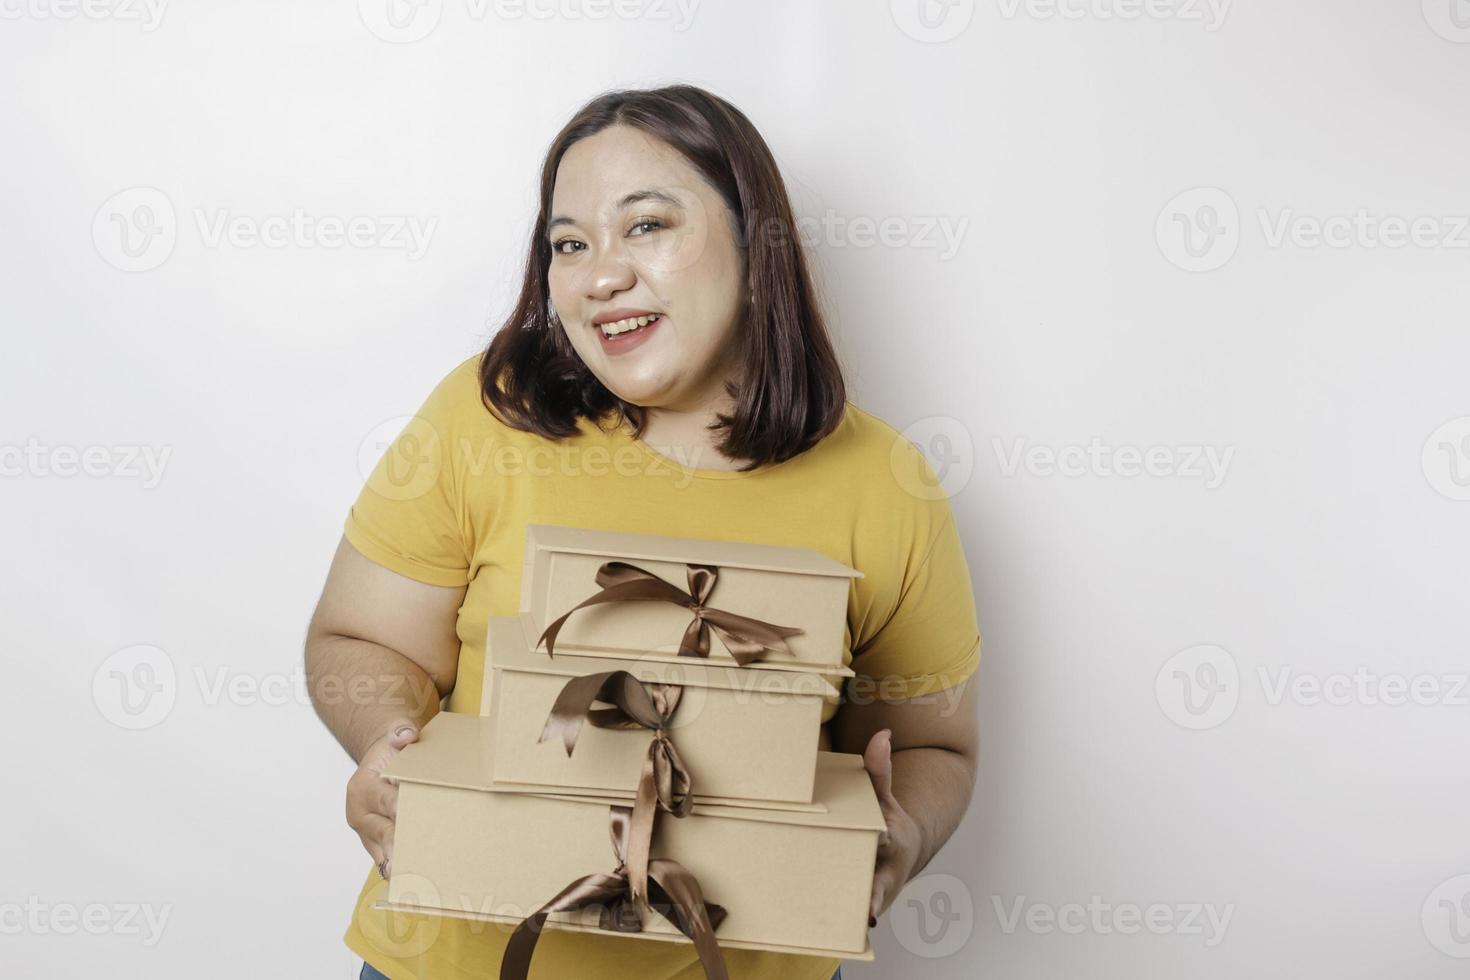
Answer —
790 392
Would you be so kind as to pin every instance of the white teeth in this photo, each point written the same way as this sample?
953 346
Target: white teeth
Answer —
632 323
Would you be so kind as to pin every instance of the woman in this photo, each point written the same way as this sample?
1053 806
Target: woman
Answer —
666 370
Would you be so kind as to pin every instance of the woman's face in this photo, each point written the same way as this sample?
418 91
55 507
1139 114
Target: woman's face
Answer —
634 227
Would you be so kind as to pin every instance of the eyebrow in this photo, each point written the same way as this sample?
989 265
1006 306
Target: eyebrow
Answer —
634 198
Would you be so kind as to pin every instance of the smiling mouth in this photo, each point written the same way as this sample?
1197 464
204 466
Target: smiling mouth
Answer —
632 323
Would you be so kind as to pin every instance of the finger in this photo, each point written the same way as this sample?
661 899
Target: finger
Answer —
404 732
388 800
400 733
365 794
378 830
878 760
875 899
885 884
373 846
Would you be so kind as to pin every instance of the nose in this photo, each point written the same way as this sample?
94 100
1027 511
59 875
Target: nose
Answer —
609 274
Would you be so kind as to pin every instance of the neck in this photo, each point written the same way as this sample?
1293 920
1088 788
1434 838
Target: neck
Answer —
683 434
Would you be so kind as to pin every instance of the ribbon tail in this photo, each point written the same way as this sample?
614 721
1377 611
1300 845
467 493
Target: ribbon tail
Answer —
632 706
596 889
515 962
620 581
749 639
570 708
640 828
697 919
664 783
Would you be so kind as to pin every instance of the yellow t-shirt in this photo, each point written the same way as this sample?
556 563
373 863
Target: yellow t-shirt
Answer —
448 505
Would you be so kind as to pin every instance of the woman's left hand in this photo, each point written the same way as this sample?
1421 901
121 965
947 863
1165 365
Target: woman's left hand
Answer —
899 845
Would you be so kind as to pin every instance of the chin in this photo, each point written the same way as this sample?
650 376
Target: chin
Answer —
644 391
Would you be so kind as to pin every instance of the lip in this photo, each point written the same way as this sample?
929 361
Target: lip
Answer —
631 340
622 313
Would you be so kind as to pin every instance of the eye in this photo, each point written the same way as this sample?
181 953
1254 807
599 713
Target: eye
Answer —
652 224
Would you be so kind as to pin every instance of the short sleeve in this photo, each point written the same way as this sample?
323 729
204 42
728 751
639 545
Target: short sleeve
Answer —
409 516
931 641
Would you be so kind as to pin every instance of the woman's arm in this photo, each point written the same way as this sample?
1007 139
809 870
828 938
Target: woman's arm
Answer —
381 652
923 772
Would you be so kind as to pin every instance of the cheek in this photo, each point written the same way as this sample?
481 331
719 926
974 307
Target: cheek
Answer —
714 306
582 341
720 272
564 304
559 289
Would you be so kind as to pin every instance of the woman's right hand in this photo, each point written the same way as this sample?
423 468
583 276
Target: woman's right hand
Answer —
372 798
382 653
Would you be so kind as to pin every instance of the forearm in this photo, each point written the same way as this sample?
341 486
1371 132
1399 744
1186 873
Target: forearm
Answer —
934 786
361 690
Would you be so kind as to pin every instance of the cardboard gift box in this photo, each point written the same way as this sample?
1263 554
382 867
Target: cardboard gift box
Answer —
789 881
743 737
787 604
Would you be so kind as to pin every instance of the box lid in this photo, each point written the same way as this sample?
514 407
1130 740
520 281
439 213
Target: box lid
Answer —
457 750
509 648
554 923
582 649
690 551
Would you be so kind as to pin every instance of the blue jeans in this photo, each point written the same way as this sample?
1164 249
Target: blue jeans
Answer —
368 973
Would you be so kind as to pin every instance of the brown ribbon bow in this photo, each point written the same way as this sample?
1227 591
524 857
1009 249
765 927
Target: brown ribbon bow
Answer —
676 896
747 639
665 781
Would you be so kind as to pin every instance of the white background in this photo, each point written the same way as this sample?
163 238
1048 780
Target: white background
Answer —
1057 142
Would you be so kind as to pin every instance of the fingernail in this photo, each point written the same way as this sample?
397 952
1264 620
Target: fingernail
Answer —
405 730
872 922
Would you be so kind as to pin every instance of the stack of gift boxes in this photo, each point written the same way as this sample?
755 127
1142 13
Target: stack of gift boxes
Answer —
646 762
